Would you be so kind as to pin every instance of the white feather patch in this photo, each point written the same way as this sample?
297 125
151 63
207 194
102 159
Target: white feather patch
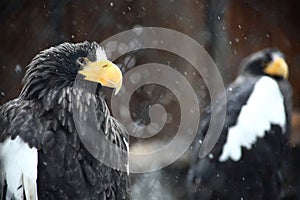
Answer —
276 55
264 107
19 168
100 54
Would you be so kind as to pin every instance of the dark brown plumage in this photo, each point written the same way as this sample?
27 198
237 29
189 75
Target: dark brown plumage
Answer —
246 161
42 116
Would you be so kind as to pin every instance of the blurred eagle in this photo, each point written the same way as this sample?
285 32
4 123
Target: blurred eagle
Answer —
41 154
246 161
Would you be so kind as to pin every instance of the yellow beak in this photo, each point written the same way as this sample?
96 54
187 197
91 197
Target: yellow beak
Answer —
104 72
277 67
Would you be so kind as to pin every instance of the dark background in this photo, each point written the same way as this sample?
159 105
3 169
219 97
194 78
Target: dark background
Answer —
229 30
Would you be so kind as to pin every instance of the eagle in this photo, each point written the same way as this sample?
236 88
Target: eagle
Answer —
41 152
247 160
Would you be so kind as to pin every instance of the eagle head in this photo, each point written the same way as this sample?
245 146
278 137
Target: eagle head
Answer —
59 66
268 62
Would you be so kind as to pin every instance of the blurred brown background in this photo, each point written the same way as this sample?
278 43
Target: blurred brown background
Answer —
229 30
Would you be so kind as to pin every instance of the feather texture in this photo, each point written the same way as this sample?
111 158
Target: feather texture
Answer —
19 169
42 118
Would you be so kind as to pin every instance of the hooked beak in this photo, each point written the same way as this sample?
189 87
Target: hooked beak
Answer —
277 67
104 72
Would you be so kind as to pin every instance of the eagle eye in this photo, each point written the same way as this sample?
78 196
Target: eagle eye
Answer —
81 61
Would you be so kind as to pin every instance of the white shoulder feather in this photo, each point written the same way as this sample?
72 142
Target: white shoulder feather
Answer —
18 169
264 107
